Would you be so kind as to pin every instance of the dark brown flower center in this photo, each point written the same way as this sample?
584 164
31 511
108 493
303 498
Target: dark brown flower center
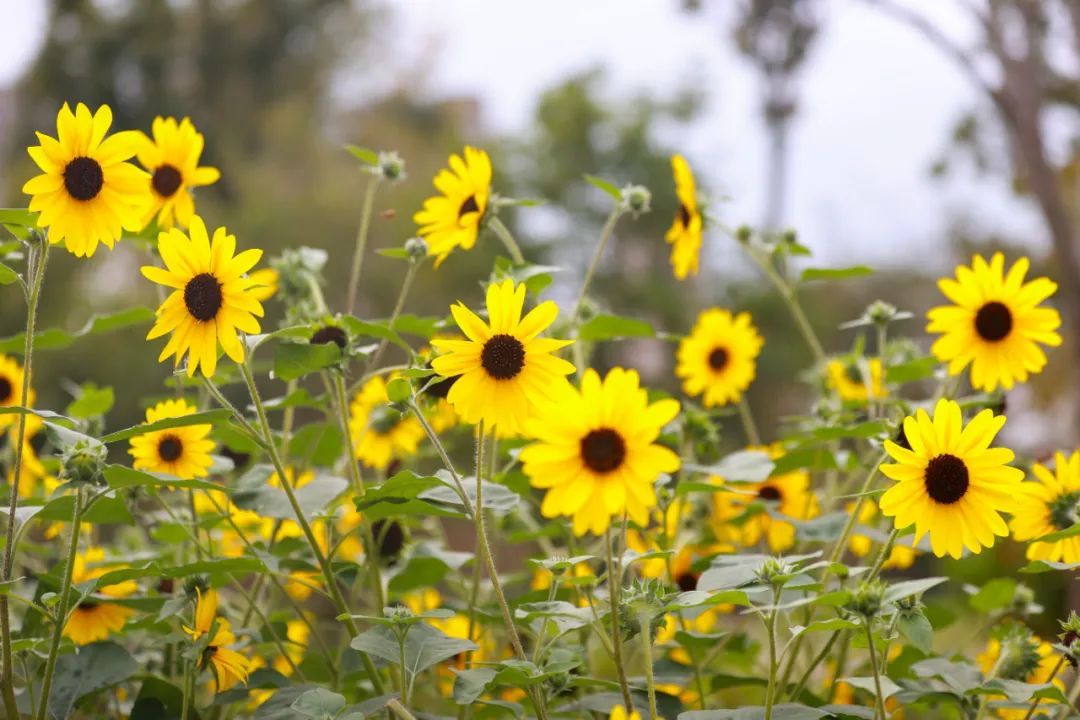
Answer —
203 297
6 390
687 581
166 181
469 206
503 356
994 321
440 387
329 334
901 438
1064 510
718 359
946 479
603 450
390 538
170 448
770 493
83 178
684 215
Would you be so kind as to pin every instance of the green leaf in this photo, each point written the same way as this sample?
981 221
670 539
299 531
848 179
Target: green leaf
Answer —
566 617
17 216
917 629
268 501
496 497
92 668
612 327
426 567
91 402
888 687
1041 566
908 588
106 510
604 185
157 700
470 684
782 711
57 339
811 274
398 390
363 154
318 443
295 360
120 476
221 566
744 466
830 625
996 594
1071 531
423 327
7 275
911 371
399 496
207 417
425 646
319 703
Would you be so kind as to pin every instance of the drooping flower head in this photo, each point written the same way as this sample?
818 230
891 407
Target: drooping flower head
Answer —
87 193
381 434
94 619
951 484
227 665
717 359
996 324
11 391
452 218
684 235
848 381
182 451
596 453
504 369
172 158
1049 504
211 298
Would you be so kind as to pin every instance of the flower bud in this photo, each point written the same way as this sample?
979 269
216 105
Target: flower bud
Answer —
417 248
392 166
880 312
867 598
636 199
84 462
743 233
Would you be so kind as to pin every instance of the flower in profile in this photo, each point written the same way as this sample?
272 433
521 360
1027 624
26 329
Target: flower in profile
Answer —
951 484
996 324
11 391
1027 659
211 298
381 433
848 381
596 453
901 557
452 218
1047 505
94 618
87 193
718 358
264 285
684 235
172 158
503 368
228 666
182 451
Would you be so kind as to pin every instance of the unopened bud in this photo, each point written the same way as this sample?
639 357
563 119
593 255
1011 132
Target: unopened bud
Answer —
636 199
417 248
392 166
84 462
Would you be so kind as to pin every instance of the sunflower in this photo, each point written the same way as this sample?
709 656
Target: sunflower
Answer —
596 452
900 557
848 381
951 484
182 451
228 666
503 369
265 284
11 386
31 470
172 158
1047 505
452 218
684 235
381 434
619 713
1029 659
717 358
87 192
93 619
211 298
996 324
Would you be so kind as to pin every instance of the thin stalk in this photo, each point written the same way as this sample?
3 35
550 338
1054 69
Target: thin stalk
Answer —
815 664
361 242
614 579
605 235
879 707
770 630
883 555
788 295
342 403
399 304
1074 693
61 611
398 709
749 426
189 690
38 256
985 701
650 682
507 240
1053 674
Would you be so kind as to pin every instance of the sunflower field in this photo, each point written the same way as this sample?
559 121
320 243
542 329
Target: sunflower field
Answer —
470 515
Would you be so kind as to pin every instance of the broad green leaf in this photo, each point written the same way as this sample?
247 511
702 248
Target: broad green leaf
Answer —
496 497
425 646
744 466
106 510
1071 531
220 566
611 327
888 687
364 155
57 339
268 501
1041 566
91 402
319 443
120 476
207 417
423 327
811 274
830 625
157 700
907 588
996 594
562 614
398 390
7 275
295 360
917 629
92 668
604 185
912 370
781 711
319 703
17 216
470 684
363 328
399 496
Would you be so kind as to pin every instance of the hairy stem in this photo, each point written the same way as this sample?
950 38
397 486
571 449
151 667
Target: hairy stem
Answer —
879 707
646 647
361 242
507 240
614 582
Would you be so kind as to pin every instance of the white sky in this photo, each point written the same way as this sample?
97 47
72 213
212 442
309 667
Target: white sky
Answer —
877 105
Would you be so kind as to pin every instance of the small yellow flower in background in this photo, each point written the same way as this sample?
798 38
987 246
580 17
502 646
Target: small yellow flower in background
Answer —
788 494
264 284
684 235
87 192
846 379
172 158
503 368
619 713
452 218
901 557
718 358
381 434
1033 654
1047 505
211 298
11 392
228 666
183 451
31 470
596 453
92 619
951 484
996 324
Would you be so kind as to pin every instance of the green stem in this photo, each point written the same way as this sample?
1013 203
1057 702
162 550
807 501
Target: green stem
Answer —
361 242
398 709
818 660
770 630
61 611
1074 693
507 240
787 294
1053 674
749 426
399 304
38 256
343 420
883 555
645 622
853 516
879 708
605 235
614 580
189 690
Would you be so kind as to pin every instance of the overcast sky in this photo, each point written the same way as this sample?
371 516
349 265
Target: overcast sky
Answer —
877 105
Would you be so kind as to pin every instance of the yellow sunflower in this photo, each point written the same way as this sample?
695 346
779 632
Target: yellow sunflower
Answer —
31 470
452 218
11 388
381 434
951 484
87 192
172 158
718 358
211 297
1047 505
94 619
183 451
996 324
684 235
619 713
228 666
901 557
848 381
503 368
596 452
265 284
